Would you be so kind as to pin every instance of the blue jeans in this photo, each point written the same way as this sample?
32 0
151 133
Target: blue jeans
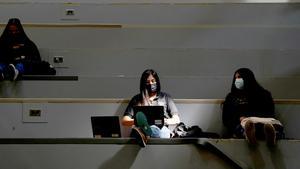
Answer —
163 132
18 66
2 67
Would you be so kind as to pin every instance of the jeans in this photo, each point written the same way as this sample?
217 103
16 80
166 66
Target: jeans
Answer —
18 66
163 132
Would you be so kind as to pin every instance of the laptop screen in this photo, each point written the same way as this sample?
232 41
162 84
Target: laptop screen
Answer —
106 126
154 114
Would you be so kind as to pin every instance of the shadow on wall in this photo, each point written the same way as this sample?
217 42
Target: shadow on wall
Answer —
123 158
211 153
258 160
277 158
10 89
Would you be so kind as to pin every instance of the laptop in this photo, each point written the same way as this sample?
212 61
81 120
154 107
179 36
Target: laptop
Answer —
106 126
154 114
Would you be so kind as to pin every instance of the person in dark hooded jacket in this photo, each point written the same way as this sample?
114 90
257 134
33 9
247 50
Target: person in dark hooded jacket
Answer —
248 110
19 55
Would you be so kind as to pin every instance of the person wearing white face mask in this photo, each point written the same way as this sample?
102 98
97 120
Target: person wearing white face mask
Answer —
239 83
151 95
248 110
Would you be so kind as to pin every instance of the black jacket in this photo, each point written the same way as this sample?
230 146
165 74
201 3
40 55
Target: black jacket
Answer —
239 104
22 52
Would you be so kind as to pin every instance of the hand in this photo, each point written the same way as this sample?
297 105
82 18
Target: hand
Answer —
127 121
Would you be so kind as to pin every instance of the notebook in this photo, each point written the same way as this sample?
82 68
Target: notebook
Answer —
154 114
106 126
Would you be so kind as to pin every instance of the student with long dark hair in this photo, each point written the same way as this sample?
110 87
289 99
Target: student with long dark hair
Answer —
151 95
248 110
18 54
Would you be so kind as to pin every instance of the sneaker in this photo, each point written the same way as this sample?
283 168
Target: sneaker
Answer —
12 72
142 123
270 134
140 137
250 133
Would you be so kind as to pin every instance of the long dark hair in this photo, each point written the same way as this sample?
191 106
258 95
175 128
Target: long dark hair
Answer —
6 36
144 77
251 86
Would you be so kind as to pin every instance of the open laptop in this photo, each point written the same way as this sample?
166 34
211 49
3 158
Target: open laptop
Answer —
106 126
154 114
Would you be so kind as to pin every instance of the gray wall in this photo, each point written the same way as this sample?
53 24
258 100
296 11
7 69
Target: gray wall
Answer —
194 47
71 118
160 156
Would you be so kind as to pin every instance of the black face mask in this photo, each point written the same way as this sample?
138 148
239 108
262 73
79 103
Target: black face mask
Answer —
151 88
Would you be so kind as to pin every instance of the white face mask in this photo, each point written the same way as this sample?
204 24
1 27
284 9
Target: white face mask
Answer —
239 83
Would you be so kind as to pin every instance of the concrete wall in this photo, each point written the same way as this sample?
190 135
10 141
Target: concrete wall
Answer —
75 155
194 47
71 119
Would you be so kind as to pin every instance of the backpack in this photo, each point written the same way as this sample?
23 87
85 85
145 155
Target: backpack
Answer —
183 131
42 68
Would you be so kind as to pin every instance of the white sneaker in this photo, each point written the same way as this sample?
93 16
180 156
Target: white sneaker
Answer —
14 72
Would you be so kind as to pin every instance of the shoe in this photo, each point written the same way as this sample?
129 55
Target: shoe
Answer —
142 123
12 72
250 133
140 137
270 134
